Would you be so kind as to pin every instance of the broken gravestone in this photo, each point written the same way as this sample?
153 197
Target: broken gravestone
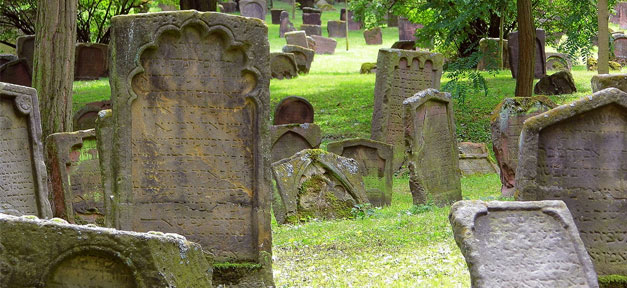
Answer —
16 72
289 139
23 178
85 118
604 81
283 65
375 166
336 29
559 83
286 24
521 244
25 48
191 127
473 159
293 110
324 45
316 184
400 75
253 8
298 38
303 57
373 36
90 61
431 146
578 153
489 60
539 58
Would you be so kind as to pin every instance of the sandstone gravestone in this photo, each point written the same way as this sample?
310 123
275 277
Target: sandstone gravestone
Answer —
191 127
283 65
336 29
312 18
373 36
298 38
405 45
23 178
6 58
253 8
375 165
104 142
324 45
521 244
352 25
603 81
311 29
293 110
85 118
303 57
276 15
473 159
620 48
316 184
74 170
25 48
228 7
559 83
539 58
578 153
90 61
16 72
407 29
431 147
311 43
286 24
289 139
400 75
53 253
506 124
558 61
489 60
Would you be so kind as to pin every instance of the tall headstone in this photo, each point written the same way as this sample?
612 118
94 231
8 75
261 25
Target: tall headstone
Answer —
521 244
6 58
91 61
539 58
431 147
620 48
16 72
324 45
400 75
85 118
303 57
473 159
407 29
293 110
352 24
23 178
289 139
336 29
276 15
25 49
283 65
253 8
489 48
578 153
286 25
191 127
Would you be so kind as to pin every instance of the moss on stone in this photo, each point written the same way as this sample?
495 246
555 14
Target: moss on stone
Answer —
366 68
615 65
612 281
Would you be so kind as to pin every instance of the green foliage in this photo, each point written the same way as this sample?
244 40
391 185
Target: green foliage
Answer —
612 281
419 209
371 12
363 211
464 79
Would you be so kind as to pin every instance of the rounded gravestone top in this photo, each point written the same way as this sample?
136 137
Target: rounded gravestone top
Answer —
293 110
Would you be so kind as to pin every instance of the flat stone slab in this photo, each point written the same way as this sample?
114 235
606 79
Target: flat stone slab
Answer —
473 159
298 38
289 139
604 81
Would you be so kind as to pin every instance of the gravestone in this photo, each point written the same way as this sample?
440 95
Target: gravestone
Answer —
283 65
228 7
392 20
25 48
85 118
104 142
286 24
375 166
289 139
400 75
521 244
293 110
16 72
577 153
407 29
620 48
311 29
276 15
199 5
621 7
305 4
6 58
473 159
311 10
23 178
603 81
53 253
506 124
489 48
312 19
311 43
316 184
352 25
561 82
373 36
191 127
90 61
75 181
303 57
539 58
253 8
405 45
336 29
431 147
558 61
298 38
324 45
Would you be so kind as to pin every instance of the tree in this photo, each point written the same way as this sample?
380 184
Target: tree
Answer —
526 50
604 53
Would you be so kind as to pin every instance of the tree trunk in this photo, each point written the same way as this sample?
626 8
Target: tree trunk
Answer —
526 42
603 35
53 71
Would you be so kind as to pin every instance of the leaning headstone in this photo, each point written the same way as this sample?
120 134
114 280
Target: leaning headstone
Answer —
336 29
253 8
289 139
375 165
316 184
25 49
373 36
303 57
489 60
191 127
578 153
404 45
352 25
506 124
432 148
16 72
6 58
53 253
558 83
407 29
283 65
558 61
293 110
539 58
286 24
521 244
276 15
324 45
620 48
400 75
311 29
90 61
603 81
298 38
85 118
473 159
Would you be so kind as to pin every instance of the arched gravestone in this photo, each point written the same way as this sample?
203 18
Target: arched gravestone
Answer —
400 75
290 139
85 118
25 49
253 8
558 61
521 244
293 110
90 61
578 153
191 127
53 253
620 47
23 179
375 165
6 58
303 57
283 65
16 72
539 58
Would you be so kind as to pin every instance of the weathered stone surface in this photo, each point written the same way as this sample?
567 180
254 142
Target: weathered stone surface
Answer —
289 139
368 68
521 244
577 153
375 166
400 75
431 147
286 24
276 15
6 58
373 36
85 118
336 29
311 43
228 7
603 81
489 60
253 8
312 19
104 142
303 57
311 29
298 38
558 61
311 10
91 61
191 116
293 110
352 25
559 83
620 48
539 58
404 45
473 159
25 49
53 253
23 178
283 65
316 184
407 29
506 124
324 45
16 72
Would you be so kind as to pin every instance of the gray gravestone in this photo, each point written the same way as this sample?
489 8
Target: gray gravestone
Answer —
604 81
253 8
283 65
336 29
289 139
303 57
25 48
539 58
298 38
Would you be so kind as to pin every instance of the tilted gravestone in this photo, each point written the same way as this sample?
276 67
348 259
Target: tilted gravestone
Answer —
6 58
25 48
191 127
539 58
286 24
489 48
303 57
85 118
311 43
400 75
473 159
276 15
75 178
312 19
506 124
407 29
283 65
253 8
293 110
336 29
352 25
289 139
375 166
578 153
16 72
373 36
298 38
90 61
53 253
311 29
23 178
316 184
521 244
558 61
620 48
324 45
431 147
603 81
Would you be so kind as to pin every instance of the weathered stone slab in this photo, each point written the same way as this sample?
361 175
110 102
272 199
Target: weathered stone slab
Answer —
375 166
316 184
23 178
352 24
283 65
91 61
558 61
558 83
407 29
293 110
276 15
506 124
85 118
25 49
289 139
324 45
191 116
104 142
373 36
16 72
311 10
312 19
473 159
311 29
311 43
228 7
431 147
53 253
577 153
336 29
539 58
489 60
620 48
404 45
521 244
604 81
303 57
286 24
253 8
298 38
400 75
75 178
6 58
